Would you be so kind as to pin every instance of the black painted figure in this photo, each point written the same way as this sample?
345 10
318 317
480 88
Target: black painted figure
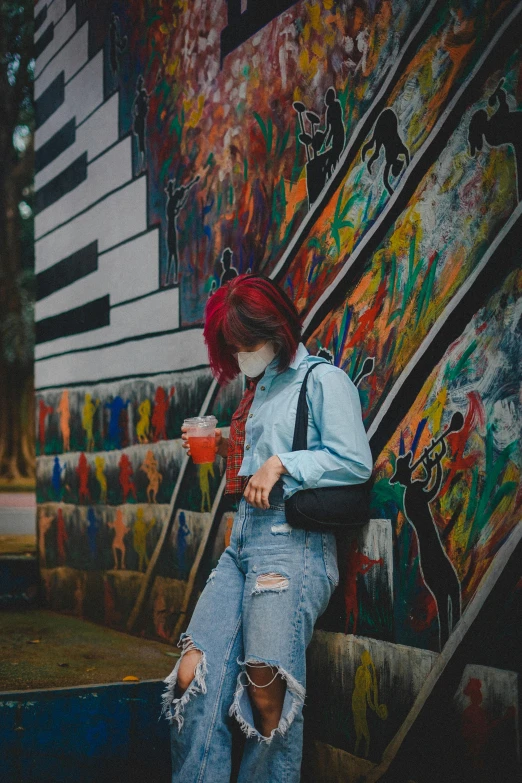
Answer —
437 570
324 353
176 200
503 127
229 271
323 146
140 109
335 135
386 134
117 43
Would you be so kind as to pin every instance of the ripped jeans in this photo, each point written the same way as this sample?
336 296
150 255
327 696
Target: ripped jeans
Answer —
243 616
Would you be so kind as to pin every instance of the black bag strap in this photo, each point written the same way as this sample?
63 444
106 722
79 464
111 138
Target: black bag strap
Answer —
300 441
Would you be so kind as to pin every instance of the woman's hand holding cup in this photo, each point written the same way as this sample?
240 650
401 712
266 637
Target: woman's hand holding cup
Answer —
221 442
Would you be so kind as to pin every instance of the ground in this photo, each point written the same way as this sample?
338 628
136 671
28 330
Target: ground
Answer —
43 649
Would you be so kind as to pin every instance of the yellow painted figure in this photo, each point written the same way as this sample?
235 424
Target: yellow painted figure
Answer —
88 411
204 484
100 476
365 694
143 425
139 538
65 428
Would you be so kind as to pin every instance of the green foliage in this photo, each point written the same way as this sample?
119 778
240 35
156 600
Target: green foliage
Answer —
267 130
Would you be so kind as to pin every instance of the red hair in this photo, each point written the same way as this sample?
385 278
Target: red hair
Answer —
247 310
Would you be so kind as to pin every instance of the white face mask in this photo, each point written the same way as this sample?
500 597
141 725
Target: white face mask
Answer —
253 363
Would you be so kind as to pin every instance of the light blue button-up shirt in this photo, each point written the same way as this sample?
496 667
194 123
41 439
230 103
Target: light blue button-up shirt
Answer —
338 451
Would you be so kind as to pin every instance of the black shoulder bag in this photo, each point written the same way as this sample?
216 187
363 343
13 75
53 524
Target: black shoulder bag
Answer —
329 509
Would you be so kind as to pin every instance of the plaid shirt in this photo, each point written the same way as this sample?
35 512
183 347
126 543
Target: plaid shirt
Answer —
235 485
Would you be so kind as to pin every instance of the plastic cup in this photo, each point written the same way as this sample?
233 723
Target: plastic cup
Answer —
201 431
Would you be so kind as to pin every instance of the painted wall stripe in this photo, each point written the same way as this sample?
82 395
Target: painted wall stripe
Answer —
89 316
94 138
503 255
71 59
158 314
50 100
67 271
44 40
40 19
64 30
106 175
361 131
63 183
176 350
97 222
505 40
62 139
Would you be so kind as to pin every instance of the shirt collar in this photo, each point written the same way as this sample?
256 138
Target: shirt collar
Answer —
300 355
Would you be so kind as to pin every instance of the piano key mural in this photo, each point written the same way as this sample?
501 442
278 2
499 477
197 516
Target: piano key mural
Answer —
368 157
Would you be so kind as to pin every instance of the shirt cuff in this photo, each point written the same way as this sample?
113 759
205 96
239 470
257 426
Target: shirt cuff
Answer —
294 462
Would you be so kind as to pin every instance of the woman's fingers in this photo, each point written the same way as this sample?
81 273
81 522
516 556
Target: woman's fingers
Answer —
257 496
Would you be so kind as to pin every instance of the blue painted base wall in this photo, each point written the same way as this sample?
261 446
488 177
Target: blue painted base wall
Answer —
92 734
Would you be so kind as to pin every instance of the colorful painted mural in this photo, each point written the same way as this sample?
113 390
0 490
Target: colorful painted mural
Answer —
368 157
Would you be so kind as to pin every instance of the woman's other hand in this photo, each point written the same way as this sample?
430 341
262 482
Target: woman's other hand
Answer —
221 442
258 488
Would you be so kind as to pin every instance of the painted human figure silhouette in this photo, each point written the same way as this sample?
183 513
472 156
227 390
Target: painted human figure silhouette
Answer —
335 134
477 726
92 533
65 416
43 411
365 694
159 415
56 478
116 406
437 570
79 593
386 134
150 468
229 271
44 523
125 478
140 110
176 200
118 545
61 536
88 411
82 471
357 563
139 538
117 43
323 146
143 425
181 540
99 463
502 127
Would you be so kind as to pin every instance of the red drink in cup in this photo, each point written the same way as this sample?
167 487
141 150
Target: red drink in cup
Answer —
201 431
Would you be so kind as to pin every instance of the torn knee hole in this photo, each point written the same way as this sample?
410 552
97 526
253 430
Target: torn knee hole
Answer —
241 710
270 582
180 689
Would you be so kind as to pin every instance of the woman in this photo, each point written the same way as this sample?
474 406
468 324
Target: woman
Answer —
243 653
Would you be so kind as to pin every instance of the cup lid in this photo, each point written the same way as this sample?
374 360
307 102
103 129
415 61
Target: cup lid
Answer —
201 421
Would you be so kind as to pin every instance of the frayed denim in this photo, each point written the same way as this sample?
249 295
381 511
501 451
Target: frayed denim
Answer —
259 607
